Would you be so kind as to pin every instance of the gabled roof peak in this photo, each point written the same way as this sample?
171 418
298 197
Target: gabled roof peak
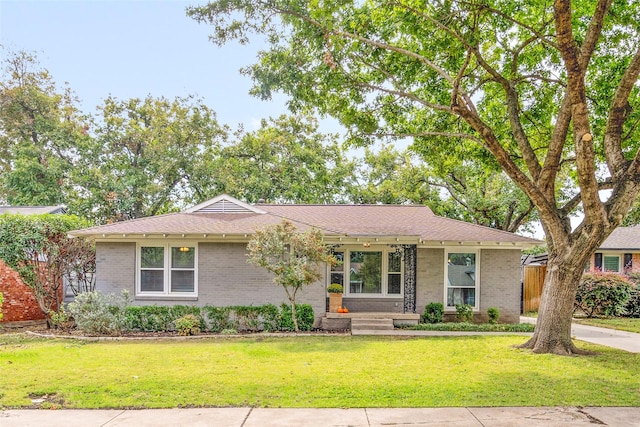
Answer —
224 204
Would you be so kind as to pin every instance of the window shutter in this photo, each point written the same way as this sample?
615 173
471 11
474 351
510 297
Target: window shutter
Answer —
597 260
628 262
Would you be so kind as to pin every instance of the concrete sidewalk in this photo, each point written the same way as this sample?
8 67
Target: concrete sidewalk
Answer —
622 340
268 417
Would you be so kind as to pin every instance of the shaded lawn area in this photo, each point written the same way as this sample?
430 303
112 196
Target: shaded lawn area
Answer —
311 371
628 324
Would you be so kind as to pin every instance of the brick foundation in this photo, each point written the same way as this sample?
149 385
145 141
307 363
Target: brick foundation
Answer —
19 303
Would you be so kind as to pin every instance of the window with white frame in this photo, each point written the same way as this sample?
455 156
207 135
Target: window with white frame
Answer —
461 279
369 272
337 271
394 273
167 270
611 263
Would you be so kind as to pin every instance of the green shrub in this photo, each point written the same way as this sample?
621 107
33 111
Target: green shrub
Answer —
189 324
61 319
270 317
218 318
494 315
229 331
99 314
304 314
243 318
433 313
632 308
149 318
603 294
159 318
247 317
464 313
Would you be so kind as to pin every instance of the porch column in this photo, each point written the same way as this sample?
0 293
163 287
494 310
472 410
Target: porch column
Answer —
410 254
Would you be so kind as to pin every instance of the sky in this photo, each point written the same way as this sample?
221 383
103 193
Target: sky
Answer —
133 48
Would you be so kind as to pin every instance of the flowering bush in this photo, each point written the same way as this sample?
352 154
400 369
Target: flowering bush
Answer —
603 294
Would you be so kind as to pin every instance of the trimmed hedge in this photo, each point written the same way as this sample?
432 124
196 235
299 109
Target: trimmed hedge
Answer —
304 314
157 318
269 318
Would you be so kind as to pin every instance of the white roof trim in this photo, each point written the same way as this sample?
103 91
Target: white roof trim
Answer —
224 204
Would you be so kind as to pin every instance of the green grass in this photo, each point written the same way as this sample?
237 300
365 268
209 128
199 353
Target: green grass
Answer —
311 371
629 324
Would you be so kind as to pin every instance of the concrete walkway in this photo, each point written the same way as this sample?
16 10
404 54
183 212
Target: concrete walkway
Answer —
622 340
271 417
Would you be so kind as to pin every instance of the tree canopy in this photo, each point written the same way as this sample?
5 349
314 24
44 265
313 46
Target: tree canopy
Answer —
546 91
143 156
140 157
40 128
286 160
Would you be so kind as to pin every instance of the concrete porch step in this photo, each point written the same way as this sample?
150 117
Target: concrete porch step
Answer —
369 324
367 321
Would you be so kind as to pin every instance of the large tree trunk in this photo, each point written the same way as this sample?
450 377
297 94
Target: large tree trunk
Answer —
564 271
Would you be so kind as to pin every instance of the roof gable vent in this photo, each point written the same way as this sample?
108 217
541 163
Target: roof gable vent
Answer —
224 204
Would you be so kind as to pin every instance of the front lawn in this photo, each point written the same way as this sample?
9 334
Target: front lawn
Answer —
310 371
628 324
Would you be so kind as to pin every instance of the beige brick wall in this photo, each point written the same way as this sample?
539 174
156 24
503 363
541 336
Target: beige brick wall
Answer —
429 278
115 267
224 278
500 283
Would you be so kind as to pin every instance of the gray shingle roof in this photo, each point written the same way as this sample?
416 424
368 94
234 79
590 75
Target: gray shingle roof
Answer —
349 221
31 210
623 238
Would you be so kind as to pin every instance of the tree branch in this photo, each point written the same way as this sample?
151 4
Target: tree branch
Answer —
575 64
618 114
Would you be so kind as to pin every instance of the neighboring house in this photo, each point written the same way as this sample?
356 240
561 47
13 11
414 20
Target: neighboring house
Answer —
19 303
397 258
32 210
619 253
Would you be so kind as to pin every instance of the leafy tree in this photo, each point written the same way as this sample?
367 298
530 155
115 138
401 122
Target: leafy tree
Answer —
285 161
40 126
294 258
143 157
546 90
39 249
470 193
389 176
487 197
633 218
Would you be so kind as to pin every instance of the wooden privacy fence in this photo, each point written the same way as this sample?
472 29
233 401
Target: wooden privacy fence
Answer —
533 283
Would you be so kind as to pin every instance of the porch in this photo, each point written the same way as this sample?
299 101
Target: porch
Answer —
368 320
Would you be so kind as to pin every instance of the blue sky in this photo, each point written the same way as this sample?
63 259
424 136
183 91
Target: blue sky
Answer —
128 48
